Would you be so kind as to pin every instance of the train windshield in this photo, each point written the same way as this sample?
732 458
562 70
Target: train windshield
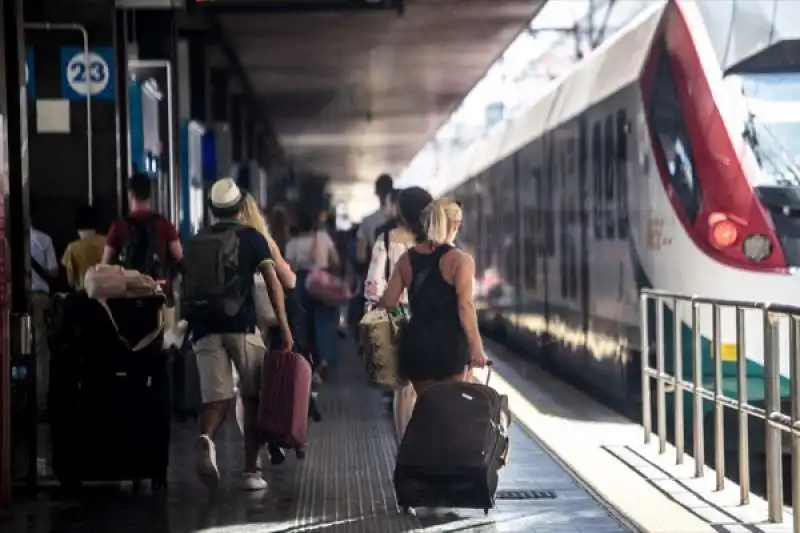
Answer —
772 124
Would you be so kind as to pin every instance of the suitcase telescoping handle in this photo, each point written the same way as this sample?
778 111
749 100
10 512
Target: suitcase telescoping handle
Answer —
489 365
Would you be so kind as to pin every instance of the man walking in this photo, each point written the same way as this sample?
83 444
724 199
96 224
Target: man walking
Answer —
219 268
146 241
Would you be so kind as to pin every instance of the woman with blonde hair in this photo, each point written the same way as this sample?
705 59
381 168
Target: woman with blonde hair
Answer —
441 341
251 215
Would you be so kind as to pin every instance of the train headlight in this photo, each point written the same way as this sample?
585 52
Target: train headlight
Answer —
757 247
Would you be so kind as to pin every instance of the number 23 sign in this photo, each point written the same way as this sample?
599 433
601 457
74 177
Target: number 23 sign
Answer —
91 75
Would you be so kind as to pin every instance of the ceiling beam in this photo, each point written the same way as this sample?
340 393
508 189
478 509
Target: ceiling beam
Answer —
292 6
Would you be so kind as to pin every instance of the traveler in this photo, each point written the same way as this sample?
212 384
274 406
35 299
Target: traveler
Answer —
410 204
384 186
85 252
279 227
309 249
441 341
393 211
266 319
146 241
252 216
221 262
44 274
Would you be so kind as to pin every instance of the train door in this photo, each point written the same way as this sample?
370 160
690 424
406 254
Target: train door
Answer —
583 219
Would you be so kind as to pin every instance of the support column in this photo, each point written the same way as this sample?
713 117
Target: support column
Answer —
120 40
157 39
236 128
15 251
220 98
199 77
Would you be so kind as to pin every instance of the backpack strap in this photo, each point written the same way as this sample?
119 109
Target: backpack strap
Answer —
387 268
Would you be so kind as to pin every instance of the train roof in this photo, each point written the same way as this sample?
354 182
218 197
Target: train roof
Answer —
614 65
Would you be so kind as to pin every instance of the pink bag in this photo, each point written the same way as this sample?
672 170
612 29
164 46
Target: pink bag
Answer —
324 286
327 288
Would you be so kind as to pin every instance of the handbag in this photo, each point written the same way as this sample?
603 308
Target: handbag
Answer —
324 286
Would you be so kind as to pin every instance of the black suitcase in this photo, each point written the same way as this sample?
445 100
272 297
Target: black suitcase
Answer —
185 380
109 406
454 445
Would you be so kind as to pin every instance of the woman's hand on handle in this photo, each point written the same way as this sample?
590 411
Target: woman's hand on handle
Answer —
478 359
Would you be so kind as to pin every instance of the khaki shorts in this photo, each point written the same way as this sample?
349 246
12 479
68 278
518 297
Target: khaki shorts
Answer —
216 352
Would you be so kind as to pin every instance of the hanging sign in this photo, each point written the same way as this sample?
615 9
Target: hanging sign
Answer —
92 75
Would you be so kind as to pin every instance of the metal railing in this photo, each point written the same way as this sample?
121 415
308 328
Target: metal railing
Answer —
775 421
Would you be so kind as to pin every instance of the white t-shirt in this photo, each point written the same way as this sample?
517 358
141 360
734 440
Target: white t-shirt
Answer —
376 282
298 251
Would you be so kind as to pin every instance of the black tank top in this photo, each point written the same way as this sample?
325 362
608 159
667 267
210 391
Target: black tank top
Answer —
434 345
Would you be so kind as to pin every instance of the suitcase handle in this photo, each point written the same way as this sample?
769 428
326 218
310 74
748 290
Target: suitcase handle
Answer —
489 365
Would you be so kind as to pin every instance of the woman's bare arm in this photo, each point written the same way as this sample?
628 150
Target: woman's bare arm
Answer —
397 284
282 268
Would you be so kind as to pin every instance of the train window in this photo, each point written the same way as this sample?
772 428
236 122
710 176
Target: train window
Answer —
538 218
549 197
597 179
608 176
674 146
563 264
622 174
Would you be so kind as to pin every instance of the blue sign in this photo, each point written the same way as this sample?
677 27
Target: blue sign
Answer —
30 73
83 76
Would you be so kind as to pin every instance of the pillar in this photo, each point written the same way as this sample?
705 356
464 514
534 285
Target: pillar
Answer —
15 251
120 41
220 97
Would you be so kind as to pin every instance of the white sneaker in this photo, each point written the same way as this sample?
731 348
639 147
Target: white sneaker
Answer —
253 481
206 461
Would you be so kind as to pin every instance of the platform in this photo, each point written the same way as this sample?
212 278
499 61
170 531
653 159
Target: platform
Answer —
344 485
607 453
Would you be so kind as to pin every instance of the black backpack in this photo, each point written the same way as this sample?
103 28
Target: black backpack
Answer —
141 249
212 284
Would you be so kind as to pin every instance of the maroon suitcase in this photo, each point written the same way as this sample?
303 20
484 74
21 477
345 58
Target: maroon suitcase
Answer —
285 392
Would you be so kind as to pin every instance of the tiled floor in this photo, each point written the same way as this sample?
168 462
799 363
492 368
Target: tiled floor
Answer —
344 485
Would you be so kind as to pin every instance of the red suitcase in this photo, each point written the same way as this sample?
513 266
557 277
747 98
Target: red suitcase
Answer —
285 392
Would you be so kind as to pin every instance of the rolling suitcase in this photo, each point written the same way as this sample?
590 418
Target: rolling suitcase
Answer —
454 445
109 404
285 392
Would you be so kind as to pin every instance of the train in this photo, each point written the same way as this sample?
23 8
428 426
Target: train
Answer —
666 158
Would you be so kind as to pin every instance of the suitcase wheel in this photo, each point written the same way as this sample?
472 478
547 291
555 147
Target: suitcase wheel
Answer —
137 486
159 483
485 511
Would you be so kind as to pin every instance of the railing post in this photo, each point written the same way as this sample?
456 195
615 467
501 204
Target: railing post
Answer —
794 376
772 406
661 396
741 387
678 399
646 403
697 398
719 429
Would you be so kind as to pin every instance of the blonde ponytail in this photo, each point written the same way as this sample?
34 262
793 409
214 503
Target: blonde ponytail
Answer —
440 220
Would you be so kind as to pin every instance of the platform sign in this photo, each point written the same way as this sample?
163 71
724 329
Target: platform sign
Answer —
93 77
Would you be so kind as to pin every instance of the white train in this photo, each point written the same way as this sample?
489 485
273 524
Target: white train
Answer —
668 159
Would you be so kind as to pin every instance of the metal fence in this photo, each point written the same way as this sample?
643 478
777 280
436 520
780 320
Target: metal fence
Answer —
775 421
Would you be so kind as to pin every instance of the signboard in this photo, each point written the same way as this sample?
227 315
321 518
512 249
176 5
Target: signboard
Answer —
82 76
30 69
